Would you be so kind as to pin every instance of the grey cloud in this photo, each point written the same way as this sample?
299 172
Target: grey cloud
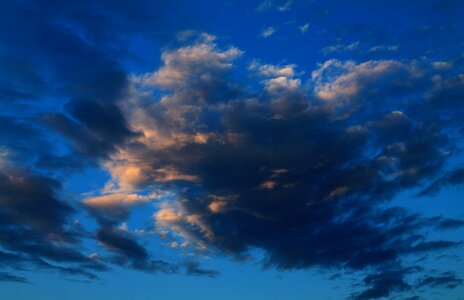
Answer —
33 220
12 278
194 268
446 279
454 177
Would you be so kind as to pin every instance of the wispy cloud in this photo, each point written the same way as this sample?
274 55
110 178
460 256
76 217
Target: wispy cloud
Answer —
267 32
304 28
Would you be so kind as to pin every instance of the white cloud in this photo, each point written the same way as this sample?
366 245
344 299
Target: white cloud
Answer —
265 5
268 70
282 83
304 28
384 48
267 32
188 62
281 6
442 65
345 85
286 6
340 48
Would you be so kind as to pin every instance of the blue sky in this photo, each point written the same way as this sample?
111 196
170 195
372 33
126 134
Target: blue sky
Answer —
236 150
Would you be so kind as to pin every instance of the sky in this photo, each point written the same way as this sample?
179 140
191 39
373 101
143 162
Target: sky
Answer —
271 149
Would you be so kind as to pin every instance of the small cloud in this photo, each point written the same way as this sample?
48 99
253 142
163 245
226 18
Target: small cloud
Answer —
340 48
194 268
272 71
265 5
287 5
12 278
267 32
174 245
384 48
268 185
442 65
123 227
444 280
281 6
304 28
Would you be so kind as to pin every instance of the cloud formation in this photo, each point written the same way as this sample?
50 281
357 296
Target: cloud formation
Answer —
228 153
301 170
35 228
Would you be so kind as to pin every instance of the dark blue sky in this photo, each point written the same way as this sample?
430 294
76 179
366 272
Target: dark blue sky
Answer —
236 150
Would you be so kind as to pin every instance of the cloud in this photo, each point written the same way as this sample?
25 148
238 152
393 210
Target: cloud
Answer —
449 223
183 66
299 170
280 5
117 199
383 285
346 85
95 130
193 268
454 177
442 65
278 80
35 228
234 159
444 280
202 79
74 49
304 28
267 32
339 48
128 252
12 278
267 70
383 48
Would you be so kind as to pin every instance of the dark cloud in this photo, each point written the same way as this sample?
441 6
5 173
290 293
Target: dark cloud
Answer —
444 280
73 271
53 51
31 200
454 177
450 223
95 129
36 232
20 138
115 240
383 285
387 282
307 185
74 48
128 252
194 268
26 143
35 228
12 278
